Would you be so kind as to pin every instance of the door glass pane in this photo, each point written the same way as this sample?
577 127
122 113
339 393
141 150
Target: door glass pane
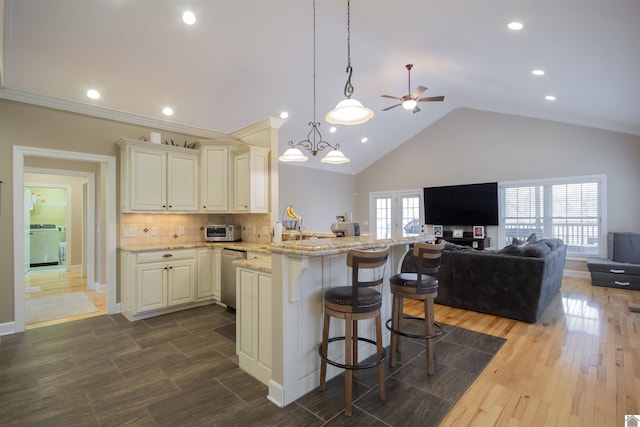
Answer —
410 216
383 218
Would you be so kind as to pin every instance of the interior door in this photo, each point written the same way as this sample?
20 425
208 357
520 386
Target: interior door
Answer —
27 229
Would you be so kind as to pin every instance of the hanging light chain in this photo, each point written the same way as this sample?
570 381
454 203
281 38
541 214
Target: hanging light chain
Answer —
348 87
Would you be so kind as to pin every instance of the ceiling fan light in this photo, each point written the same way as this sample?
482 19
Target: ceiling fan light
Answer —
335 157
293 155
409 104
349 111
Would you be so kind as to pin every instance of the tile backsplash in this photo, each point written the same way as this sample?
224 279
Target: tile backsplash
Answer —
150 229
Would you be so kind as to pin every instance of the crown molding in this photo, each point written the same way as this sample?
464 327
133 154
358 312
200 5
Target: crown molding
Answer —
107 113
266 123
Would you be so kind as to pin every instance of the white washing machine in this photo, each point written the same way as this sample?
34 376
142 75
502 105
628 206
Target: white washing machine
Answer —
44 243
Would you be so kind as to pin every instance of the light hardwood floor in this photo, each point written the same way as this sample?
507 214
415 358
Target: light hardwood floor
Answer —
56 281
577 366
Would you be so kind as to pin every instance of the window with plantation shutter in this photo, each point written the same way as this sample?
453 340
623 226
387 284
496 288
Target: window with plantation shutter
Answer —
571 209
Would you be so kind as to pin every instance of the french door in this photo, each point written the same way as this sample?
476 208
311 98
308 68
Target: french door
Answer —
396 213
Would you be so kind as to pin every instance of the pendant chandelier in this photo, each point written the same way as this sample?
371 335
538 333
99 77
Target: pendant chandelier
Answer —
349 111
314 142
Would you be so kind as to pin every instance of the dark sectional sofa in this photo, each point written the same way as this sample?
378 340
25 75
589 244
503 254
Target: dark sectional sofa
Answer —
518 281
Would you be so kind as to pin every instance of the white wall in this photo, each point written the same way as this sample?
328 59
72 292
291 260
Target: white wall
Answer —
472 146
318 196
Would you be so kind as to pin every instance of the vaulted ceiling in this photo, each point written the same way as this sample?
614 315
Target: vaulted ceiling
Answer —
244 60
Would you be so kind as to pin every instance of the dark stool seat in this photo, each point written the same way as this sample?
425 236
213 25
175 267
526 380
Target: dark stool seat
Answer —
352 303
423 286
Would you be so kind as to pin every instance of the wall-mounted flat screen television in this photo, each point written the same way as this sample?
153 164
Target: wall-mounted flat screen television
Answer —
472 204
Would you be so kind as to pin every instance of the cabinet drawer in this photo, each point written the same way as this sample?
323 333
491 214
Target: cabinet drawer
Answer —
621 281
168 255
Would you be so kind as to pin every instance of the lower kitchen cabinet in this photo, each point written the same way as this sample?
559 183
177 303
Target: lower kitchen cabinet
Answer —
157 282
209 265
253 323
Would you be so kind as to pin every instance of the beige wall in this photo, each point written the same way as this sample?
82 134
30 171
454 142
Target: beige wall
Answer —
318 196
32 126
471 146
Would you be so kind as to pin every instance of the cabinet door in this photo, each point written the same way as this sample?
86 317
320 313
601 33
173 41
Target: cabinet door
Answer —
216 273
182 182
247 310
264 320
151 287
148 179
182 281
241 182
215 179
204 286
259 181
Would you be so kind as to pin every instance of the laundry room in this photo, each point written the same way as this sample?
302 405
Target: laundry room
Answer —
54 206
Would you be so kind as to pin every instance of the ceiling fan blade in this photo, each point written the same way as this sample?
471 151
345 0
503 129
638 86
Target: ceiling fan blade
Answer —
416 93
415 109
392 97
433 98
389 108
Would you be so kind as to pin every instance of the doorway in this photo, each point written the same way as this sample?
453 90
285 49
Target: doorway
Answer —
57 288
100 249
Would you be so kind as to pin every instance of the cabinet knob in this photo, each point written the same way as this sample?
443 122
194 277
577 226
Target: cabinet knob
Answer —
170 206
166 268
164 206
170 268
167 255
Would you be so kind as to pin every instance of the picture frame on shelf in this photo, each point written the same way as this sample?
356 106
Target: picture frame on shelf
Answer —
478 231
458 233
438 231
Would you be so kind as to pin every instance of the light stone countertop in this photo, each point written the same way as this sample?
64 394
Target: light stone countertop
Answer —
258 264
243 246
335 245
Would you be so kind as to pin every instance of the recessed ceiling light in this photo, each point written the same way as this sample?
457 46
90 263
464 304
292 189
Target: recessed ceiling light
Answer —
550 98
537 72
93 94
167 111
284 115
516 26
365 139
332 129
189 18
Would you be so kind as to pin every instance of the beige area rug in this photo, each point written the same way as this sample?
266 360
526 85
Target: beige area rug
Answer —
57 306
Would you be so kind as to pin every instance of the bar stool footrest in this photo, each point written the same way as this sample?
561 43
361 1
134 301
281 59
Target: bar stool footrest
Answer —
408 335
353 367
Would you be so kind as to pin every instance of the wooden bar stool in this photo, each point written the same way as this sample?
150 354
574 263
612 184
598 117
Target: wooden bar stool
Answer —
421 285
352 303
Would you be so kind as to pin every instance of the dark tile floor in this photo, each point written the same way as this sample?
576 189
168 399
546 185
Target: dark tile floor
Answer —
176 370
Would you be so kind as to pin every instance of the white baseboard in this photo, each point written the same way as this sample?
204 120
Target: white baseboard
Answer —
100 287
7 328
276 394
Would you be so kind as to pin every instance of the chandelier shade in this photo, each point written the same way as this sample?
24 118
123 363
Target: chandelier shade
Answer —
335 157
293 155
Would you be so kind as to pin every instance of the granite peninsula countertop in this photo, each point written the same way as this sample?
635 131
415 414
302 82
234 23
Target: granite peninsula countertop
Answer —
335 245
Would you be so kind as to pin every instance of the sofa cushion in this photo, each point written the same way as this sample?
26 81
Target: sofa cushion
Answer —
531 239
511 250
537 250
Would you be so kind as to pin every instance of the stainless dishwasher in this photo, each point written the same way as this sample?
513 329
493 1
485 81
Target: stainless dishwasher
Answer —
228 286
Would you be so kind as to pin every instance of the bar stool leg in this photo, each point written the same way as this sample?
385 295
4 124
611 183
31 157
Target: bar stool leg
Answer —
325 348
394 325
355 346
380 350
348 373
430 329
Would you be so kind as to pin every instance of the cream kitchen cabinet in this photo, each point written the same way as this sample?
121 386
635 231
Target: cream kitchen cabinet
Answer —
214 182
158 178
251 180
157 282
253 323
209 265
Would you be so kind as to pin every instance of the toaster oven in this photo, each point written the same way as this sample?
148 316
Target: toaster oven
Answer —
221 233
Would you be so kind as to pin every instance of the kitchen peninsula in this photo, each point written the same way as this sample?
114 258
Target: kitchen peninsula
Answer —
301 272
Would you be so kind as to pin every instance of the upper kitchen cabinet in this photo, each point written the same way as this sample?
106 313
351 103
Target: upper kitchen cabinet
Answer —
214 173
158 178
251 180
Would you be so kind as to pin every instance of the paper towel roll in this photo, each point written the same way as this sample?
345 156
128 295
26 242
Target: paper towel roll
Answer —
155 137
277 233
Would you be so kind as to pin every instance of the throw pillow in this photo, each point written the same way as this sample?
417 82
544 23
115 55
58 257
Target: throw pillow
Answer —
536 250
511 250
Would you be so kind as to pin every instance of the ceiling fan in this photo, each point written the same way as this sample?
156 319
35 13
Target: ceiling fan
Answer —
410 101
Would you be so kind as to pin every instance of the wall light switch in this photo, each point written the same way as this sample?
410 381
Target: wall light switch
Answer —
154 231
181 230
